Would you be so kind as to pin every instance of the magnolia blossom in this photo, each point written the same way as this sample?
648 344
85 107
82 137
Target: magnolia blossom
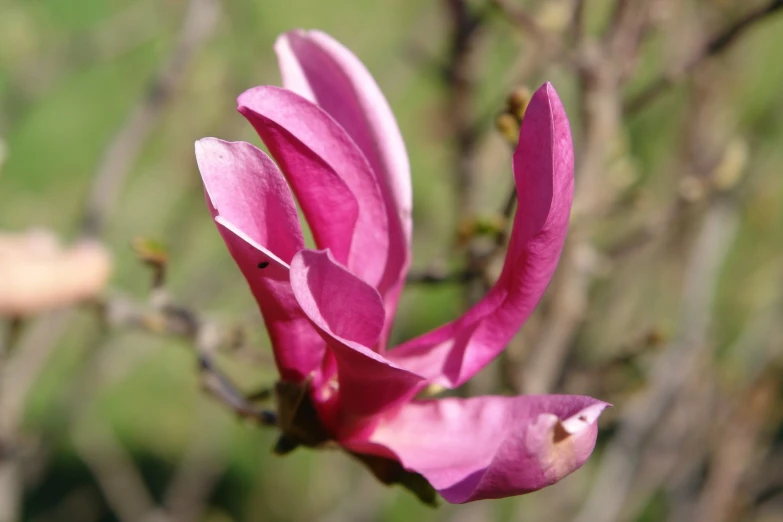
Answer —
338 150
37 273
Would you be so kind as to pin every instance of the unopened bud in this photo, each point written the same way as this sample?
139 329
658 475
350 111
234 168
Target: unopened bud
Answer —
729 171
39 274
508 126
153 254
517 102
466 230
150 251
489 225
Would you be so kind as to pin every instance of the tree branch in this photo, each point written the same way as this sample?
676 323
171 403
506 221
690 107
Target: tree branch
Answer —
121 153
671 370
722 40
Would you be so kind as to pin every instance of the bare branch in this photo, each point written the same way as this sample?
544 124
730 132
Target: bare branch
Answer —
120 155
17 376
721 41
437 277
670 371
117 476
460 74
208 336
550 43
198 472
737 440
221 387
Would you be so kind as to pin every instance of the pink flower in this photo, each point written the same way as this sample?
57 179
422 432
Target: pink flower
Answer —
37 273
329 311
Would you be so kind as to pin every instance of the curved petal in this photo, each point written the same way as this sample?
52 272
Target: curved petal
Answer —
488 447
246 188
349 315
257 218
544 175
321 69
329 175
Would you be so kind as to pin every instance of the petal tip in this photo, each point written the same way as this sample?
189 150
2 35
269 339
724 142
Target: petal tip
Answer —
584 418
201 143
336 300
546 94
284 40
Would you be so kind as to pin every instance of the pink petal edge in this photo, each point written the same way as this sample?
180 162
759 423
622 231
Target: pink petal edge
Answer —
488 447
321 69
543 171
255 213
330 176
349 315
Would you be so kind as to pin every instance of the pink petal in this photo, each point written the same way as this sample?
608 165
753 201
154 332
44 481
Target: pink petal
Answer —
543 171
349 315
257 218
488 447
321 69
329 175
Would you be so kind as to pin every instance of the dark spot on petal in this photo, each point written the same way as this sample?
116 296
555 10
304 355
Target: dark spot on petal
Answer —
560 433
263 264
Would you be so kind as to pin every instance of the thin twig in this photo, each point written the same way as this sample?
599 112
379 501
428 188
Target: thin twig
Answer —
38 343
630 24
737 440
461 83
120 155
601 121
460 75
550 43
438 277
685 430
208 336
620 460
221 387
18 374
722 40
119 480
198 473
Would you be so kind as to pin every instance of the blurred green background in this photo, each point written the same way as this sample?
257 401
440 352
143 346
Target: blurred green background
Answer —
72 71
